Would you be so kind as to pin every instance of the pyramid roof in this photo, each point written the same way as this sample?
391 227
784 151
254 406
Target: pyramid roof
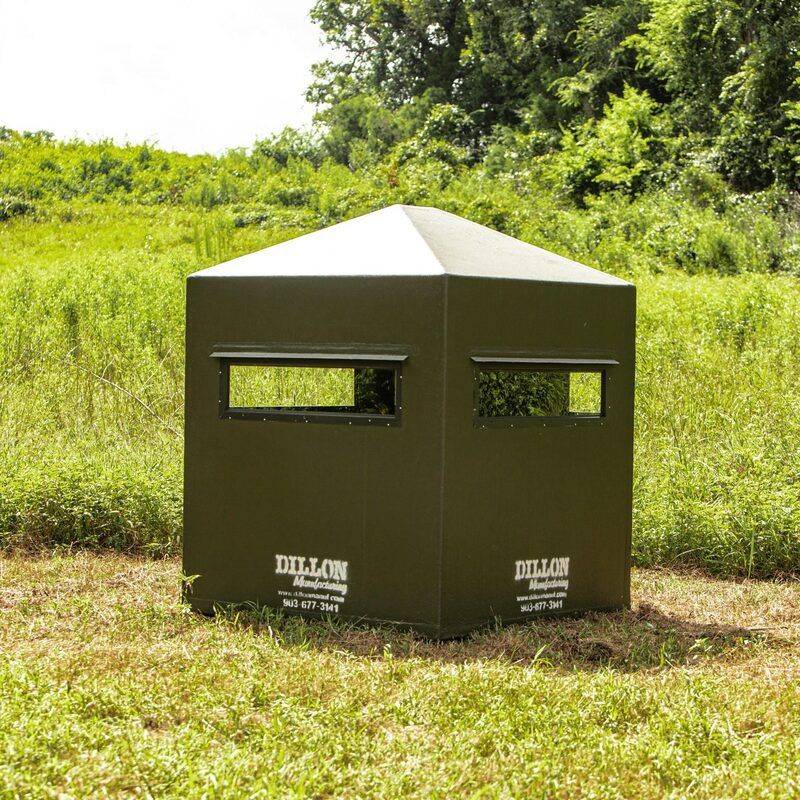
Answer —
410 241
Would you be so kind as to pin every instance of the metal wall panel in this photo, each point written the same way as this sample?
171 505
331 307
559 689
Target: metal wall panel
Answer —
369 496
546 489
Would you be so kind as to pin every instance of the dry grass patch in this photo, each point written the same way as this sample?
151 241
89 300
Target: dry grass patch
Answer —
109 685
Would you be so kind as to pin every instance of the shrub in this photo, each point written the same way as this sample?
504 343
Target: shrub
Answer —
14 207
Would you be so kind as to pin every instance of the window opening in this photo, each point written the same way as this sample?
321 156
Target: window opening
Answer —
549 392
359 390
319 387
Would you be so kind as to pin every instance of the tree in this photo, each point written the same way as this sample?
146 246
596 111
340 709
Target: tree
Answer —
730 69
724 74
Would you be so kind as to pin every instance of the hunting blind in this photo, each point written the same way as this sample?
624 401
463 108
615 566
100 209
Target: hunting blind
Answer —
409 417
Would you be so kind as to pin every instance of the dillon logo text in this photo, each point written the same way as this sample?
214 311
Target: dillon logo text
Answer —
327 568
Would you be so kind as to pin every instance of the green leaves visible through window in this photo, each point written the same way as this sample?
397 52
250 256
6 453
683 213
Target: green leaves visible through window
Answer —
539 393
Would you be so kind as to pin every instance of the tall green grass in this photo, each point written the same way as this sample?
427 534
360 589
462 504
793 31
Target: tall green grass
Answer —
91 360
717 475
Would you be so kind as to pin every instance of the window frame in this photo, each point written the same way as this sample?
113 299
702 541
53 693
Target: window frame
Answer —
226 359
519 364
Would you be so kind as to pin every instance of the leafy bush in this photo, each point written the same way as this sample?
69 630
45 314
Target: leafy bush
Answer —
523 394
76 504
14 207
619 151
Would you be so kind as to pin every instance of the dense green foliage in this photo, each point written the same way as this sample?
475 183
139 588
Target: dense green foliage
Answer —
671 82
695 222
523 394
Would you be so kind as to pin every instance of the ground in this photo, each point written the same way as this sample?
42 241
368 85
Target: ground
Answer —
111 687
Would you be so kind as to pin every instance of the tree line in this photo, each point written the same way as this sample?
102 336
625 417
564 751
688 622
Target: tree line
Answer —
625 91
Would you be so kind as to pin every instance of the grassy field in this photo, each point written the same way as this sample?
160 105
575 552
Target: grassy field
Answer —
656 141
110 687
91 354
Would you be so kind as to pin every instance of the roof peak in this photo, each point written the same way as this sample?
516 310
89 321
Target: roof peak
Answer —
407 240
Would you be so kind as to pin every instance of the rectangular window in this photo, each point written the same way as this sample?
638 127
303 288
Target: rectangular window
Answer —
533 388
315 388
586 393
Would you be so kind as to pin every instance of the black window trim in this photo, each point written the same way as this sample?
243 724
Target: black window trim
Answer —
546 364
227 358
